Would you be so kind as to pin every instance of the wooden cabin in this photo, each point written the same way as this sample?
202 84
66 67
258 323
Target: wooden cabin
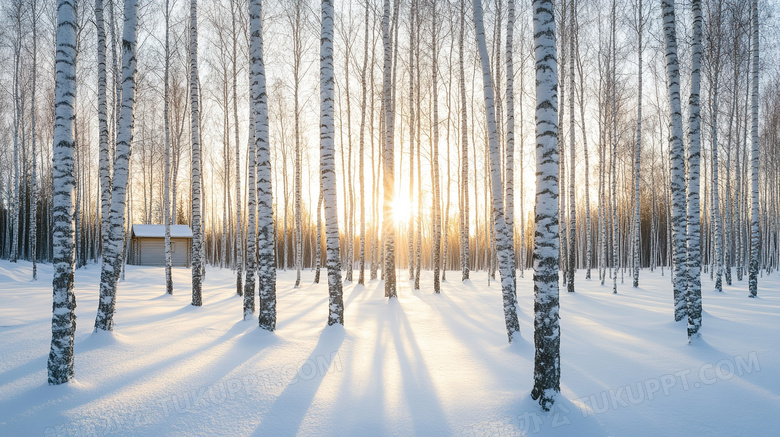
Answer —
147 245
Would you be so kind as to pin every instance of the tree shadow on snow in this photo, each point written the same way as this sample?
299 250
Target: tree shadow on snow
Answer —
289 409
390 381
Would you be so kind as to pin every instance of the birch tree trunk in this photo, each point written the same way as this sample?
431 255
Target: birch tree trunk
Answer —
361 164
436 231
464 166
388 179
17 11
251 228
266 263
588 224
613 174
105 166
114 253
547 341
503 245
166 182
754 230
509 181
318 242
412 36
676 162
328 168
239 231
572 242
197 233
638 151
729 221
63 322
418 98
693 297
716 42
298 233
562 30
34 177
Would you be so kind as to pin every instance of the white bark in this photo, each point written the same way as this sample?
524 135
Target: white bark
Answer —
388 180
197 232
436 231
328 168
251 234
693 297
412 36
588 225
113 253
17 11
34 177
677 164
464 133
63 323
361 152
509 170
572 241
613 173
503 245
754 230
105 166
266 264
547 369
167 172
239 231
637 152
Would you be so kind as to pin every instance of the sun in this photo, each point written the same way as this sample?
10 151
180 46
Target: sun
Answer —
402 210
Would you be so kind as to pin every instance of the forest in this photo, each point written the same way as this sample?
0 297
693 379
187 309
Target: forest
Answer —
385 140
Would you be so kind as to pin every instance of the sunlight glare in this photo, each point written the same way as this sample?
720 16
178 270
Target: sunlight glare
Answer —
402 210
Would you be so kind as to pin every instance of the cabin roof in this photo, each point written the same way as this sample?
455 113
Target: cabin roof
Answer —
158 231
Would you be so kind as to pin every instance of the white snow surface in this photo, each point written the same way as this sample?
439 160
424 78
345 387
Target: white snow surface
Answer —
158 231
422 364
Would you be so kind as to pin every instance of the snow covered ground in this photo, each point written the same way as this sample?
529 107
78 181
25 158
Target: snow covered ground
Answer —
419 365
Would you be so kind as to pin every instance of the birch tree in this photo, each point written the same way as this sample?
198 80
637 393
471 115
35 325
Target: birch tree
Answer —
251 234
613 161
239 232
34 176
503 245
676 162
572 242
640 24
715 41
113 253
388 180
17 11
412 36
464 138
297 22
105 170
436 231
509 181
197 220
266 263
588 236
318 241
328 168
754 229
361 152
167 172
547 340
693 297
63 322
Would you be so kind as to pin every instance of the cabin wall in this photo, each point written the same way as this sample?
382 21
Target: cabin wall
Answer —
151 252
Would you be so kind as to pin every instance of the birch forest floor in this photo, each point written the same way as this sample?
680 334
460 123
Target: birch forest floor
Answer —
423 364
